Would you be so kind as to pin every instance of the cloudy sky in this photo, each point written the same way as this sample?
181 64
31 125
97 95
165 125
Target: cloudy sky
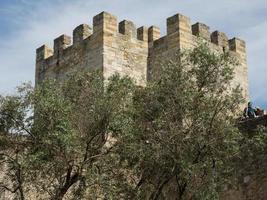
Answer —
27 24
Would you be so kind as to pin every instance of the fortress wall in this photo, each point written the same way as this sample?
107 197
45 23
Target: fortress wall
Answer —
125 49
238 49
112 47
181 35
121 48
86 51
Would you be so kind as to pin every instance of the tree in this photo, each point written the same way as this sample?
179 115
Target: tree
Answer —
184 137
251 164
13 124
86 138
63 130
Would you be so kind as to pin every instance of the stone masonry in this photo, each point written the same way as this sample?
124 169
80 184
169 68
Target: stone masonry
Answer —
122 48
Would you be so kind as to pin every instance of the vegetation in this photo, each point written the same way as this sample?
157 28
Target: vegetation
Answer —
86 138
60 142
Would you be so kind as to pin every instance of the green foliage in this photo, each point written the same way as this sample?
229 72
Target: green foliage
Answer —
253 157
67 126
89 138
184 135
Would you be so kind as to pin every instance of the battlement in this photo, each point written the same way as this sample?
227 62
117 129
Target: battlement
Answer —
177 25
122 47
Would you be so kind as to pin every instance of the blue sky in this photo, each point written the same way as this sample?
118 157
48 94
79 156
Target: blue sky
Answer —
27 24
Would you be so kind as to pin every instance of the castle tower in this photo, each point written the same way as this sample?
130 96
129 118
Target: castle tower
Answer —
122 48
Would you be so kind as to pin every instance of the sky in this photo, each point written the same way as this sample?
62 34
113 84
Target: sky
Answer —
27 24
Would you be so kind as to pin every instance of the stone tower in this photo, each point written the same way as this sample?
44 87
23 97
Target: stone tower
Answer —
123 48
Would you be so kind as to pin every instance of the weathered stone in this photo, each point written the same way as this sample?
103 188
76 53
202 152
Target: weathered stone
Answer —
201 30
137 53
123 49
81 32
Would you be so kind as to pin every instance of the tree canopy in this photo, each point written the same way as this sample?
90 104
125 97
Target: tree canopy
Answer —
88 138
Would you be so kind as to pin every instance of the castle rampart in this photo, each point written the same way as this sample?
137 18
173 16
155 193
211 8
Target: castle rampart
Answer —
123 48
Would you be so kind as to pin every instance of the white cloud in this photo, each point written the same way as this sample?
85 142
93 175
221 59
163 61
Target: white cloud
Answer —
38 22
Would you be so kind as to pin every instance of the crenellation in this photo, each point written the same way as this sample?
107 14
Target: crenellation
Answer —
178 23
153 34
142 33
179 31
238 50
121 48
105 22
43 53
201 30
80 33
61 43
220 39
128 28
237 45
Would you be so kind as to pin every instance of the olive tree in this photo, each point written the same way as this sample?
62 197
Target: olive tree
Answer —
63 130
184 138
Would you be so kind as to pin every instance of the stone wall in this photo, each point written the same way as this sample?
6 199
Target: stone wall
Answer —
120 47
182 35
109 47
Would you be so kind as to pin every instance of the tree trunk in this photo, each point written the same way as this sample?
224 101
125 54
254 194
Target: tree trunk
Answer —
157 193
61 192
